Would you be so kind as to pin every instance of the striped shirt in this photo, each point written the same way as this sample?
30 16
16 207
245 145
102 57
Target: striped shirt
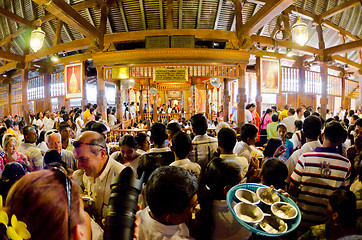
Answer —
203 150
319 173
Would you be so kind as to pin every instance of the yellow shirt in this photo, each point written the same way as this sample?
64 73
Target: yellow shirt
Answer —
86 115
283 115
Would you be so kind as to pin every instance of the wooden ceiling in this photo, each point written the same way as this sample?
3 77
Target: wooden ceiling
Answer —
89 26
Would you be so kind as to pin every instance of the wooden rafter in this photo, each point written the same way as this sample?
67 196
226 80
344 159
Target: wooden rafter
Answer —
346 61
143 15
219 6
17 33
199 14
350 19
90 16
58 39
180 6
68 32
238 19
104 16
61 9
64 47
123 15
356 25
8 66
8 56
339 29
169 14
316 3
346 47
339 8
160 9
12 16
271 9
109 25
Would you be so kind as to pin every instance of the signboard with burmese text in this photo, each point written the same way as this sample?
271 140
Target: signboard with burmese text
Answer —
170 75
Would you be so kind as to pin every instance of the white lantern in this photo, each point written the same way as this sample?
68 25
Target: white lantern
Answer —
215 82
153 91
37 39
300 32
131 82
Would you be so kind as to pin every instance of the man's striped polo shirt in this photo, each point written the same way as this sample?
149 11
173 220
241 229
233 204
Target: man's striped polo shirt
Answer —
319 173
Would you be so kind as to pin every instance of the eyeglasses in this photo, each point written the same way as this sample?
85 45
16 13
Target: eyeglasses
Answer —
76 144
68 190
51 132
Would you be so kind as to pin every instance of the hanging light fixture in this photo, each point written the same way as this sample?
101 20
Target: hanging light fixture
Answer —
300 32
54 58
289 52
37 39
131 82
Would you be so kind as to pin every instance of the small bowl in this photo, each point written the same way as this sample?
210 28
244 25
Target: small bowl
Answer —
284 210
247 196
273 224
248 213
267 195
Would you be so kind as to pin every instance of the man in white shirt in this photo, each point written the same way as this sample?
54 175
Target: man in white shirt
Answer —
289 122
248 116
133 110
341 113
249 136
312 130
54 141
204 146
181 147
300 114
226 141
98 170
29 148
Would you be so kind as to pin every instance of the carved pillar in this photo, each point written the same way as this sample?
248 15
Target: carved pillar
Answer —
217 102
141 102
119 102
193 111
343 96
47 92
360 92
302 86
258 97
101 96
154 117
84 98
24 92
207 103
226 101
9 99
241 95
324 73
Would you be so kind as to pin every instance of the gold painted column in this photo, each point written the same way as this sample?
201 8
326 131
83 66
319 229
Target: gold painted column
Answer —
241 95
84 97
324 97
360 91
258 97
47 92
119 102
217 103
343 96
101 96
9 99
193 111
24 92
154 115
226 101
301 83
141 102
207 103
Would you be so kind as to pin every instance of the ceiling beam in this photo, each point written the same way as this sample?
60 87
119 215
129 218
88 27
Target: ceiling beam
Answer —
63 47
12 16
58 39
62 10
8 56
339 8
143 16
344 60
121 9
342 48
271 9
339 29
199 14
160 7
169 14
8 66
218 14
238 19
288 44
180 6
302 12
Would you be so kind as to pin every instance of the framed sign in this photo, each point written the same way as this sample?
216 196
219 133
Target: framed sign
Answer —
270 78
73 77
170 75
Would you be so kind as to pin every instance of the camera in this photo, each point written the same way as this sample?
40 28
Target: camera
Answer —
122 206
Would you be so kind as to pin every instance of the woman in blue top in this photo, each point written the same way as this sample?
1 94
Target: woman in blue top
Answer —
282 131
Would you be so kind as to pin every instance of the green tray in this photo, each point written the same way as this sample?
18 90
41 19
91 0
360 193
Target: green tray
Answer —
232 201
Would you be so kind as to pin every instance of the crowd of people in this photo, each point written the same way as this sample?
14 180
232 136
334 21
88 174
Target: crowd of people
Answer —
57 171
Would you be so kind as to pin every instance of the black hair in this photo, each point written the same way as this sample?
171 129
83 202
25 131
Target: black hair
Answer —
274 172
272 145
158 133
181 144
128 140
306 113
298 124
335 132
344 203
299 110
63 125
292 110
12 172
351 113
98 117
27 129
274 107
41 137
99 127
170 190
218 174
282 125
227 139
88 126
355 117
8 123
275 117
52 156
174 127
312 127
140 138
199 124
248 130
358 122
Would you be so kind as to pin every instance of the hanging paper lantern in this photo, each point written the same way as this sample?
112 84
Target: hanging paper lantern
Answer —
215 82
153 91
300 32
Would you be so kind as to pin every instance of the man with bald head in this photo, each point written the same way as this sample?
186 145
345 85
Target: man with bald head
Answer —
54 141
98 168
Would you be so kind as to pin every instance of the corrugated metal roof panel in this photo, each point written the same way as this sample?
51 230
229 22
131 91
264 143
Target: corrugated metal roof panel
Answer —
133 15
152 13
208 14
226 17
189 13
